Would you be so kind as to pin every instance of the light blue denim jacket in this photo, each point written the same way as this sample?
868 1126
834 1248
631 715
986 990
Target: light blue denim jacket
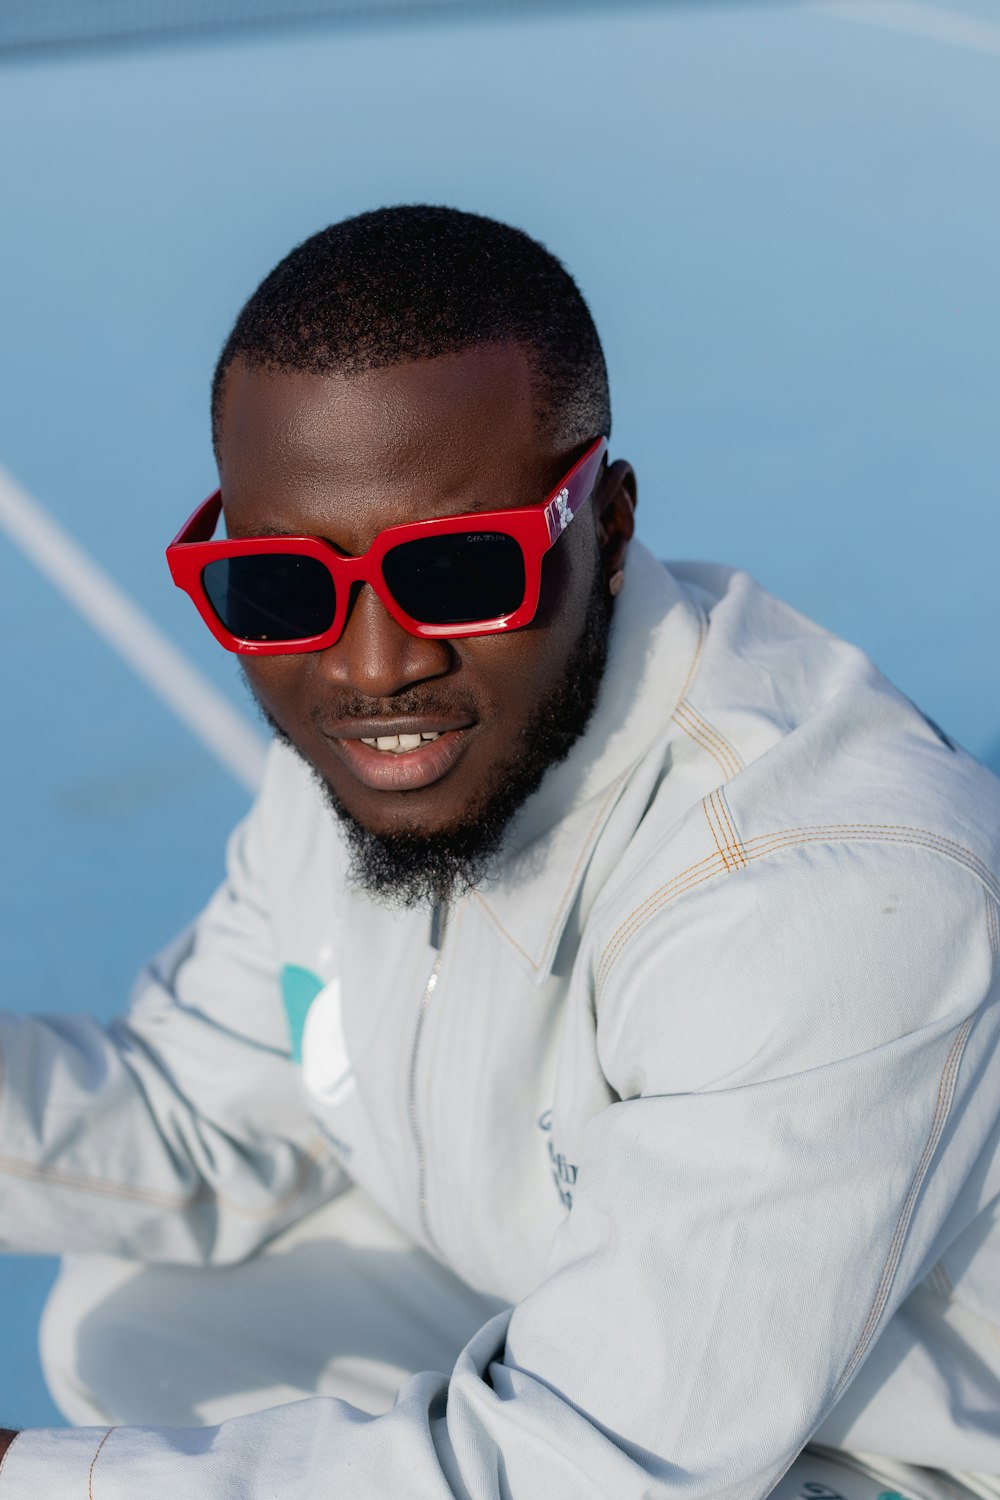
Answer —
708 1089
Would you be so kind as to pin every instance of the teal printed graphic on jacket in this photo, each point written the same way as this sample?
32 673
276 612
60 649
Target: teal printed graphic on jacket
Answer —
299 988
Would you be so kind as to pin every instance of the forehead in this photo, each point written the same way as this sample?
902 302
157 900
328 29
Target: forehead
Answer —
421 438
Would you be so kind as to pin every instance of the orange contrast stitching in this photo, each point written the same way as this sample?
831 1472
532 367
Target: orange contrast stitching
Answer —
570 884
34 1173
726 821
729 843
958 851
502 929
666 895
726 745
316 1151
941 1106
708 808
945 1094
696 657
694 732
90 1475
570 890
722 750
765 844
700 728
637 917
653 898
872 833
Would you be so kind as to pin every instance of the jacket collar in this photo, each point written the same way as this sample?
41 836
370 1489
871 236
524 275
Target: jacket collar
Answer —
656 634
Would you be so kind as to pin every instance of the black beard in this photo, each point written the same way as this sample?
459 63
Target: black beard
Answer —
410 869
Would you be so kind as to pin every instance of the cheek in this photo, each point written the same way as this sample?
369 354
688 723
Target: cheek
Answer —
507 671
521 668
567 583
275 681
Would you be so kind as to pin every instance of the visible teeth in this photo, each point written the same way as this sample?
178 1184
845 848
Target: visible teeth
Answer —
399 744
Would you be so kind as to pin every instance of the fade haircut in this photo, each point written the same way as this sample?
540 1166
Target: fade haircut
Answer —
417 281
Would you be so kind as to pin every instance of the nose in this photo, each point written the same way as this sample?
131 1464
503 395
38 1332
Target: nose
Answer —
376 657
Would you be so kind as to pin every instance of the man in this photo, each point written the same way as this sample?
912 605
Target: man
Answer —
608 944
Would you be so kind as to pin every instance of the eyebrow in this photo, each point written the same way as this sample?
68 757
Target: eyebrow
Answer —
478 508
266 531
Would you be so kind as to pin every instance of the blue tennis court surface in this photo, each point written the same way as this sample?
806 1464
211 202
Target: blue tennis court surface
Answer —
787 223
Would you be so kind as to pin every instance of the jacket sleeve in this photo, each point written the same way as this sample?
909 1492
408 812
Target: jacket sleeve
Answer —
177 1133
814 1079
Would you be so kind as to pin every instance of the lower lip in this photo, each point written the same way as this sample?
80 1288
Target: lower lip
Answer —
385 771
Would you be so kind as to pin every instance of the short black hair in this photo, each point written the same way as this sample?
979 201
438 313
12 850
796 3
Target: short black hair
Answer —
416 281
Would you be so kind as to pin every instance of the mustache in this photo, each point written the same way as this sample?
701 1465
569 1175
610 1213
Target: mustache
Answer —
420 704
420 701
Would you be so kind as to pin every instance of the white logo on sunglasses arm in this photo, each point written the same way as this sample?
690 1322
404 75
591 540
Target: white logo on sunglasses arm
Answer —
563 512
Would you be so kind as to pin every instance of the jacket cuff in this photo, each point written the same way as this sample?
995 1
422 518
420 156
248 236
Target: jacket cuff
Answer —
51 1463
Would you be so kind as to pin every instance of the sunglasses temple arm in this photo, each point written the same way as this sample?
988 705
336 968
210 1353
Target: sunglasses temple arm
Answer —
200 525
575 490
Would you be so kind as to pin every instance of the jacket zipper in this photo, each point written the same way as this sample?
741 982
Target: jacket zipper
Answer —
438 922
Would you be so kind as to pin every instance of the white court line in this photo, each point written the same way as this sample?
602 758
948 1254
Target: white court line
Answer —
916 18
222 729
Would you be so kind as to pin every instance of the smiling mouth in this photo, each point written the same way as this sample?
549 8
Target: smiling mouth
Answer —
403 762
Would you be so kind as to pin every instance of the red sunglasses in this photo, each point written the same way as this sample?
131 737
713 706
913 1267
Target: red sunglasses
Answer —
473 574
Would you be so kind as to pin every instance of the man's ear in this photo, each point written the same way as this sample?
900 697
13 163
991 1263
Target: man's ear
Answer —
615 505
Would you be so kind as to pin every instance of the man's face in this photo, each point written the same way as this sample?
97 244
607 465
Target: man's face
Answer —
343 457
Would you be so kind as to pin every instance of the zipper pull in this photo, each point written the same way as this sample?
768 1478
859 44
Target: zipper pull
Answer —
439 921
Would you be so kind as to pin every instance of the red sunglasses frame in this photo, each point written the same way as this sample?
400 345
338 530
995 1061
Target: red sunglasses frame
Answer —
536 528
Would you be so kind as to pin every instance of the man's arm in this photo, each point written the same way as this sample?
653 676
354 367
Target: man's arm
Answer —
178 1133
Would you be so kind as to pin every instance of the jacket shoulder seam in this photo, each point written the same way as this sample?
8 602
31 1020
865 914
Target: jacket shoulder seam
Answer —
733 855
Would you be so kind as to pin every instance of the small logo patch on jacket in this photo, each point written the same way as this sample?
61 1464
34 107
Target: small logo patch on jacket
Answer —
299 988
564 1172
316 1024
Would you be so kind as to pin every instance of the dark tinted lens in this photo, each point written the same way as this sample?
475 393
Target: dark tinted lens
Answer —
271 596
456 580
